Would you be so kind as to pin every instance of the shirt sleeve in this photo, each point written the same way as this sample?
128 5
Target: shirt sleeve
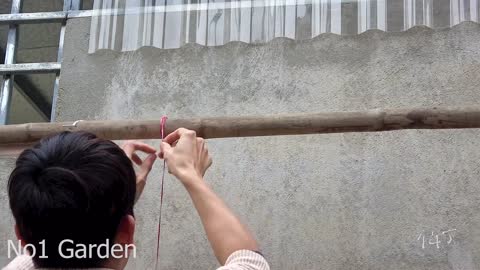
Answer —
22 262
245 260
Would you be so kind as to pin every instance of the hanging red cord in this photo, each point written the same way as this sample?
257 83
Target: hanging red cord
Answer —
163 122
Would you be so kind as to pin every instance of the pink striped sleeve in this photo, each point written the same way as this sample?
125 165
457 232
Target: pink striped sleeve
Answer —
22 262
245 260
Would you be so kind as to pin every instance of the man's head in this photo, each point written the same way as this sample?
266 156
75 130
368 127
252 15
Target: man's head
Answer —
73 186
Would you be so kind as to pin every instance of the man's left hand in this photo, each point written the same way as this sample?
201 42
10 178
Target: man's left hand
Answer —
144 166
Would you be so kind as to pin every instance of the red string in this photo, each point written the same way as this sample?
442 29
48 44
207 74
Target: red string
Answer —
163 122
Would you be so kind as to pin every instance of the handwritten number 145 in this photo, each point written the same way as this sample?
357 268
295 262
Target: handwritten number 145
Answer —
435 239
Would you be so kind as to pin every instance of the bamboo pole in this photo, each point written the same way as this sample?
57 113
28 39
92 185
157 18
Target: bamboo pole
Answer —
18 136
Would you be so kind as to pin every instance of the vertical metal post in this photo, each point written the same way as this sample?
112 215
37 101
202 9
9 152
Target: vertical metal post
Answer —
67 5
72 5
10 52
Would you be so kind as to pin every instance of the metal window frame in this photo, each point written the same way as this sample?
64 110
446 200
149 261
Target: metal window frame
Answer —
10 53
29 68
44 17
71 9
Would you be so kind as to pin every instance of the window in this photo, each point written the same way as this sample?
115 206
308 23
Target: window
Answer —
35 49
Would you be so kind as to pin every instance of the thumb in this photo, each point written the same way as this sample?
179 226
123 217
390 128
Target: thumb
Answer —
148 162
146 167
165 150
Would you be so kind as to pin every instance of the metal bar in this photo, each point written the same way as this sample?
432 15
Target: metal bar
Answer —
43 17
80 13
29 68
57 78
72 5
53 110
39 17
67 5
75 4
10 52
5 99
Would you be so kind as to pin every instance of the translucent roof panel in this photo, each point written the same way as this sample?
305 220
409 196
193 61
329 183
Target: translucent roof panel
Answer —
126 25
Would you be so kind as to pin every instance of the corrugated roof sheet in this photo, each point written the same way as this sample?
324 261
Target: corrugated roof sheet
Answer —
126 25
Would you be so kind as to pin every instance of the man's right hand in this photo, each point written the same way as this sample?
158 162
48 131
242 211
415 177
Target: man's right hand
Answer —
187 159
186 155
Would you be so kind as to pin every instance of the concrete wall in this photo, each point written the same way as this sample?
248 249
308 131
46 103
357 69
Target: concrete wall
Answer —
340 201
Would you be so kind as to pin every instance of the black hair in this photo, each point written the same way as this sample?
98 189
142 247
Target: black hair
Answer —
74 186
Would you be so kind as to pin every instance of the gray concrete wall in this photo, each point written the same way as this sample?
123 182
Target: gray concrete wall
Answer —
340 201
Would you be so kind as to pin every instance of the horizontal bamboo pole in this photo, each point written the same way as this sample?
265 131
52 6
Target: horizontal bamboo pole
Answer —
14 136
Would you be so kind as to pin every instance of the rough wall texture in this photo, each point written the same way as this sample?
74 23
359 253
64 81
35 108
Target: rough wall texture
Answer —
341 201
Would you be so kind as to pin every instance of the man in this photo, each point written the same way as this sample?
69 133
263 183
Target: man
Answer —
76 186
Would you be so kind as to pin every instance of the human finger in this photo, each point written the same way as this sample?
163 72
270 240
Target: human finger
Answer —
175 136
